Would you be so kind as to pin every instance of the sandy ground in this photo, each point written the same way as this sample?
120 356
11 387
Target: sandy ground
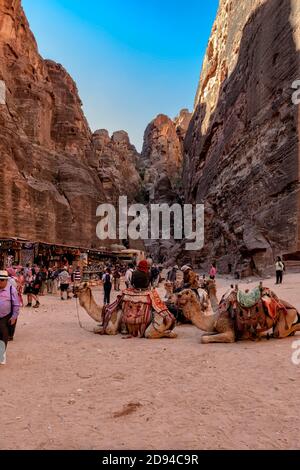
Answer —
66 388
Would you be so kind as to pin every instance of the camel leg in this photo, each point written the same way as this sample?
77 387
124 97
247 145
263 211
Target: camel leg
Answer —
227 337
280 330
152 333
285 333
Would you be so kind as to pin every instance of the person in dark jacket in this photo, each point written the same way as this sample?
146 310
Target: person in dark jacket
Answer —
141 276
107 286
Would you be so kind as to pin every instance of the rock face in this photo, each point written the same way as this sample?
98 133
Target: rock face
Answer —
161 168
116 160
51 172
162 153
242 146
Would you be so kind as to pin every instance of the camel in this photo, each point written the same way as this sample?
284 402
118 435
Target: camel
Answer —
221 326
159 325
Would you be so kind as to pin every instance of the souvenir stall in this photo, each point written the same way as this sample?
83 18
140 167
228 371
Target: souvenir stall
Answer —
10 253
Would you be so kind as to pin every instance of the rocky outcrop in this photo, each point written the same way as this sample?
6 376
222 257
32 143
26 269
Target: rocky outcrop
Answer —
242 146
116 160
51 172
162 154
161 170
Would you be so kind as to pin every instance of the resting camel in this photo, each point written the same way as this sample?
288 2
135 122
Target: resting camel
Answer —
232 322
159 325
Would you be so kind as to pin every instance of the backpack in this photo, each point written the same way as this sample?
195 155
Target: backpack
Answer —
107 279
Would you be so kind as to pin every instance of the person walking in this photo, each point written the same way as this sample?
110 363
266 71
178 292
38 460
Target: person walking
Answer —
9 312
117 279
64 281
13 281
279 266
213 271
128 276
172 275
154 276
107 286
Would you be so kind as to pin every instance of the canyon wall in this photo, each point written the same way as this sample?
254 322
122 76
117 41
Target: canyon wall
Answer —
242 146
53 172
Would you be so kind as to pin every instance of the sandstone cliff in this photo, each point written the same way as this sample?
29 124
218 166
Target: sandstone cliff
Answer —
161 168
51 178
116 161
162 153
242 148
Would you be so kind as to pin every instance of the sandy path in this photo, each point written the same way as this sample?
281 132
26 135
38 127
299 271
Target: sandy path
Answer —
65 388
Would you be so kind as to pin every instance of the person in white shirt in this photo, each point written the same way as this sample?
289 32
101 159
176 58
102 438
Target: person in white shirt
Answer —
64 280
279 266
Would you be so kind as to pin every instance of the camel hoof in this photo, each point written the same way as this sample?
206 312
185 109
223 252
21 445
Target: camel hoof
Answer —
172 335
204 339
98 331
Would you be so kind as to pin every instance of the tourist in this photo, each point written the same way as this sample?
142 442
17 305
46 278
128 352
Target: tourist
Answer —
154 275
55 281
172 275
128 276
213 271
117 279
279 266
44 277
76 280
141 276
107 286
190 278
20 285
13 281
64 280
28 279
9 310
37 285
50 281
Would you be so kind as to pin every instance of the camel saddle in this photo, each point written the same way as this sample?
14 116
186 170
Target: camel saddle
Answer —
137 306
249 299
253 307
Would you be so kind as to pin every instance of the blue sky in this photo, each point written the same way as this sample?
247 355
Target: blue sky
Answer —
131 59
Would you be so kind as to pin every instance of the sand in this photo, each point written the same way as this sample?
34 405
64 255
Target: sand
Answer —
66 388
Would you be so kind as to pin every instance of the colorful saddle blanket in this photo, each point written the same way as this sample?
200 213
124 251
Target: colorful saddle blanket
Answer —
249 299
137 308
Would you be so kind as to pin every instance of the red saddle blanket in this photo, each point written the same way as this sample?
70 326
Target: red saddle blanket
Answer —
136 308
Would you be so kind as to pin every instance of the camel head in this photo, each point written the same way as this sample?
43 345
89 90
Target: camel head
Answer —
185 297
168 288
83 291
209 285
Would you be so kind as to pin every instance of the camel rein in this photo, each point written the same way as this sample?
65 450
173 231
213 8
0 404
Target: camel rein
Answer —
79 321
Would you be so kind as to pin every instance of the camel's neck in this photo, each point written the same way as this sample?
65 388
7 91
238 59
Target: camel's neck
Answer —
213 300
194 313
87 301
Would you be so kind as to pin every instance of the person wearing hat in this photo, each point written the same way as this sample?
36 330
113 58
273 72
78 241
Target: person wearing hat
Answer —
190 278
9 310
64 280
141 276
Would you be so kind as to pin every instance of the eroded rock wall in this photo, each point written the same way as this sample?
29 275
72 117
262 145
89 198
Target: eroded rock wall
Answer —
51 170
242 146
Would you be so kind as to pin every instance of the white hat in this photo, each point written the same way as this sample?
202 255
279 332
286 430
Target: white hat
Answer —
3 275
185 268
